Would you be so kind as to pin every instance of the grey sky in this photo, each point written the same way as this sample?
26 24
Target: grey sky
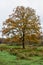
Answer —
6 7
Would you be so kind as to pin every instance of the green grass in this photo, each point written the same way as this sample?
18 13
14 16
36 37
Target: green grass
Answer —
7 59
14 55
8 46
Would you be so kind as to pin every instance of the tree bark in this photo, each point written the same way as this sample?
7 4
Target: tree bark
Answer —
23 40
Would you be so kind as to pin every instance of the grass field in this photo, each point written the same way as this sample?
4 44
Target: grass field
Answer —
15 55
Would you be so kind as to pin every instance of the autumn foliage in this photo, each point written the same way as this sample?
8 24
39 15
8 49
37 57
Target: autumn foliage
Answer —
22 25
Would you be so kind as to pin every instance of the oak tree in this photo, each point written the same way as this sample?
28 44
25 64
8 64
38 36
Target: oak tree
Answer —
23 24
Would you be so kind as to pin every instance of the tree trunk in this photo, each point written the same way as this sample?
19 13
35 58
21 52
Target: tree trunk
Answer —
23 40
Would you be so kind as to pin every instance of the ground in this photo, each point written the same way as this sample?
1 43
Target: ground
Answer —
15 55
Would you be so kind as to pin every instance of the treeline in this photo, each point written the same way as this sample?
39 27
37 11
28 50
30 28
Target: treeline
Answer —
9 42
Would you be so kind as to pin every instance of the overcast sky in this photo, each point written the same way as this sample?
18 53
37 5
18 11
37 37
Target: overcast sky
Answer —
6 7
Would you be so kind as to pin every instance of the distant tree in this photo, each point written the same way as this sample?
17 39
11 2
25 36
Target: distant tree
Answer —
23 24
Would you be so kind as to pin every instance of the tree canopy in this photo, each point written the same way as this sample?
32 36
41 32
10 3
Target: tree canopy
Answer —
23 24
